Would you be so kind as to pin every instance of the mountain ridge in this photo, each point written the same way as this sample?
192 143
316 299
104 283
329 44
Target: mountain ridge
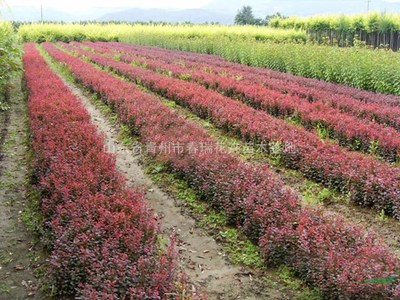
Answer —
195 15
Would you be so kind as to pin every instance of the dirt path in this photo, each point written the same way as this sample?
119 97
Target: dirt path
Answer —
17 245
201 257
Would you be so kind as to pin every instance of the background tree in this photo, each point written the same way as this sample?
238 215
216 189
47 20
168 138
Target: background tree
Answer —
245 16
276 15
259 22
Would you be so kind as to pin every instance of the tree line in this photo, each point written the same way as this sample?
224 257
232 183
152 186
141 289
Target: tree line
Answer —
245 16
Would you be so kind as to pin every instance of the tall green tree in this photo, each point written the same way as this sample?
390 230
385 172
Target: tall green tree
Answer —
245 16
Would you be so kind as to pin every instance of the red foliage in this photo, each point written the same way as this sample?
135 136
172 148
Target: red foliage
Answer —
102 234
253 198
325 247
370 182
347 129
313 89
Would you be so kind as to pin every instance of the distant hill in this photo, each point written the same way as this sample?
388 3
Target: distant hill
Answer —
172 16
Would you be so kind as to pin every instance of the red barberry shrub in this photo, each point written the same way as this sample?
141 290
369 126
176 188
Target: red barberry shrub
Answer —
314 236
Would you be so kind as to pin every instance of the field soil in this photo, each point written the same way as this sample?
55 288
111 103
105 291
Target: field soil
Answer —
18 250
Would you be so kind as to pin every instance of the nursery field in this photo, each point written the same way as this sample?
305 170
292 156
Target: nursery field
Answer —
155 173
245 140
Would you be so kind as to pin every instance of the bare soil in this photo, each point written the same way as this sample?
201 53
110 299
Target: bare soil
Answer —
18 251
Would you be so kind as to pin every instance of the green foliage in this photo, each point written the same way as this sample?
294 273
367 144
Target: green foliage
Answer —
245 16
276 149
156 34
277 49
241 251
52 32
322 130
373 147
276 16
345 30
313 194
214 220
186 77
9 59
372 22
382 217
382 280
4 106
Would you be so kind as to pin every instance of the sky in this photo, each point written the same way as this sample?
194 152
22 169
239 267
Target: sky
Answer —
72 10
74 5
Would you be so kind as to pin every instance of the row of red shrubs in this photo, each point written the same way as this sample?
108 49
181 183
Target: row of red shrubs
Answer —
370 182
323 249
364 104
348 130
101 234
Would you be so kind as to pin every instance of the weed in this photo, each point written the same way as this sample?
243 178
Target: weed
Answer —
214 220
5 258
373 147
382 216
4 289
322 130
276 149
241 251
186 77
4 106
285 274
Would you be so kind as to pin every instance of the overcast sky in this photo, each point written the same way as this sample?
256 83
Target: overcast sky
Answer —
76 5
86 4
71 10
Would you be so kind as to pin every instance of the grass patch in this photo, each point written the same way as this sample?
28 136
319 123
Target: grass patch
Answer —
5 258
8 185
125 135
159 173
4 289
286 275
240 250
31 215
